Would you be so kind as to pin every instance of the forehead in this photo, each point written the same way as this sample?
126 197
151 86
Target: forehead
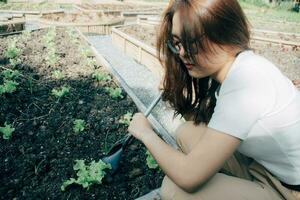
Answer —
176 24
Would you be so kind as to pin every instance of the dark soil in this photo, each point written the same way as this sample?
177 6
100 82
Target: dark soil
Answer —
78 17
41 153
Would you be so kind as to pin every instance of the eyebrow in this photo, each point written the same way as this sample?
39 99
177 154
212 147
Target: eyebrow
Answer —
175 36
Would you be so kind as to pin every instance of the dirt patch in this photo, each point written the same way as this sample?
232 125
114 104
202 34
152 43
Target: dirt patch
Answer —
41 153
121 7
78 17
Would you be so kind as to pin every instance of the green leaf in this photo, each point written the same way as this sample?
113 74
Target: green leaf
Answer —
79 125
87 175
10 74
59 93
126 119
151 162
7 131
115 93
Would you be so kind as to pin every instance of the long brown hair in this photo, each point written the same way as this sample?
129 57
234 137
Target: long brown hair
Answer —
221 22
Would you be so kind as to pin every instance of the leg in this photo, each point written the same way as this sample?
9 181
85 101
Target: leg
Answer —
187 137
219 187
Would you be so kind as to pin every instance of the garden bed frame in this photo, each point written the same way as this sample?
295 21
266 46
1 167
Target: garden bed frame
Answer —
95 28
142 53
12 25
32 14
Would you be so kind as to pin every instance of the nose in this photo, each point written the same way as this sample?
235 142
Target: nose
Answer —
181 51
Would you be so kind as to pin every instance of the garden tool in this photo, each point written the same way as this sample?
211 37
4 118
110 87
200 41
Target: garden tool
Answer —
114 155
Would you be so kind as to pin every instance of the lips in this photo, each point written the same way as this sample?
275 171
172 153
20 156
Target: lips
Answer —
189 66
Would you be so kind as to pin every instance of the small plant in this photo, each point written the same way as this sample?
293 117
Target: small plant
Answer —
58 75
115 93
9 86
10 74
126 119
7 131
12 51
101 76
59 93
79 125
87 53
151 162
87 174
90 62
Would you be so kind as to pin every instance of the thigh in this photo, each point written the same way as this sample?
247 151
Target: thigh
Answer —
221 186
188 135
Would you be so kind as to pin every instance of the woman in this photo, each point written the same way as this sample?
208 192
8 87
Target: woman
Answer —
241 137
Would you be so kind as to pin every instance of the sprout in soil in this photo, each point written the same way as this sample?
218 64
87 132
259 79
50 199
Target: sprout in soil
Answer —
87 175
115 93
151 162
58 75
7 131
101 76
8 86
125 119
79 125
59 93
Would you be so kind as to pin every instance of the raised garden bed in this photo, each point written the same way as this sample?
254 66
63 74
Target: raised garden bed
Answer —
96 23
29 6
287 58
12 25
137 48
40 154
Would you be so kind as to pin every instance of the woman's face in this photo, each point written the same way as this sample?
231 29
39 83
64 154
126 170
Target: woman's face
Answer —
209 64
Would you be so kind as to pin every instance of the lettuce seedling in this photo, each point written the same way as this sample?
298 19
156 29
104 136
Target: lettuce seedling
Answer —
9 86
64 91
125 119
114 93
151 162
7 131
58 75
10 74
87 174
79 125
101 76
12 51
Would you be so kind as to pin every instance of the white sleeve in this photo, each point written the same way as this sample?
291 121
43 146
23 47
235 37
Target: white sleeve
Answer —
243 100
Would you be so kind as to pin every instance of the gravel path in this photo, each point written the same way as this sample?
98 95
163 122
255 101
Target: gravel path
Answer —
140 79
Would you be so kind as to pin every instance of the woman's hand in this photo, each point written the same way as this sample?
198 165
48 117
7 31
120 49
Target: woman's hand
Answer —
140 127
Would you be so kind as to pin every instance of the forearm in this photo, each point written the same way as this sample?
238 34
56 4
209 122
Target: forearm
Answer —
170 160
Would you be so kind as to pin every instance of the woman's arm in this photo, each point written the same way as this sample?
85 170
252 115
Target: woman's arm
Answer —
192 170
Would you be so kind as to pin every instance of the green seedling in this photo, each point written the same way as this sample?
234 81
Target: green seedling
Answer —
10 74
87 53
7 131
125 119
115 93
58 74
90 62
101 76
59 93
87 175
12 51
79 125
9 87
151 162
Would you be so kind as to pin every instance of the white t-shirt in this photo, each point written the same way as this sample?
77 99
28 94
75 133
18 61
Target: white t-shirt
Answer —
261 106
